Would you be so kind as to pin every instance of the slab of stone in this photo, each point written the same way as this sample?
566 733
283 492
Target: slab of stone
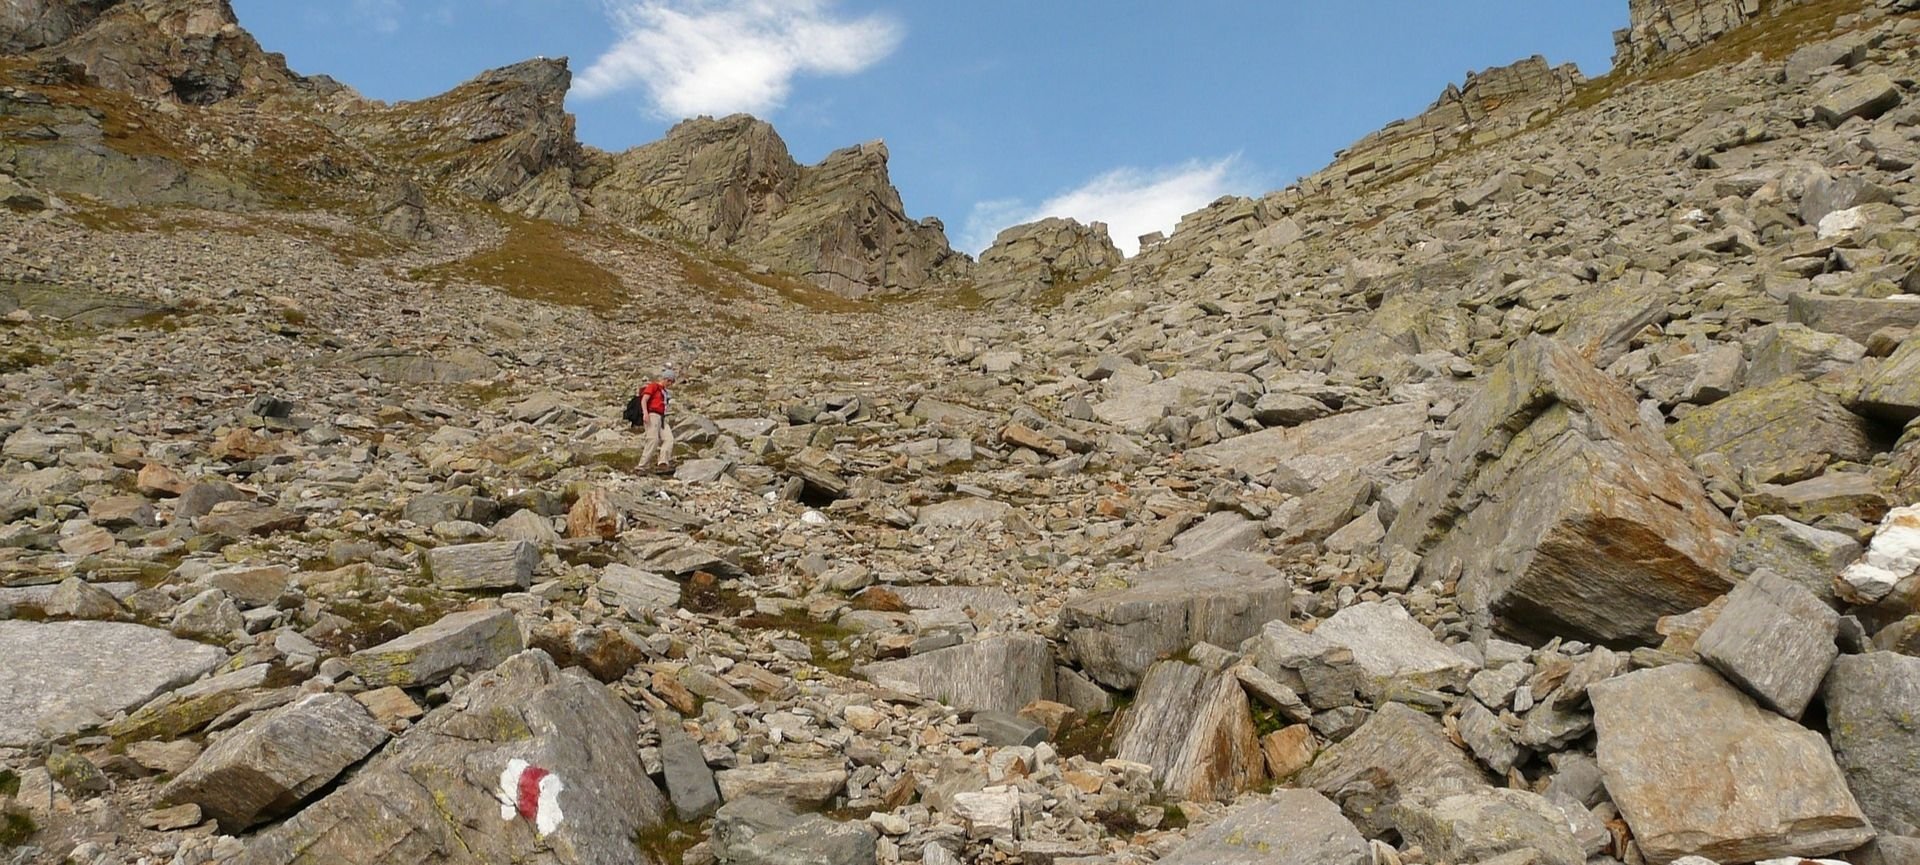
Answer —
1775 639
439 787
1195 728
1856 318
1289 827
1698 768
1855 494
251 585
1221 599
965 512
269 765
1224 531
185 710
484 567
1809 556
1561 512
1002 730
1488 738
1397 753
474 640
1484 824
1325 450
60 678
1872 701
1001 673
690 784
1893 557
1393 650
765 832
637 590
526 525
1782 422
1893 391
1869 96
796 783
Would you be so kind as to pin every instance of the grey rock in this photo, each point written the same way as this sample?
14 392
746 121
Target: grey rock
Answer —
757 831
1893 392
438 788
272 763
1483 824
798 783
63 677
1871 700
1488 738
1868 97
1224 531
1397 753
1781 423
1001 673
1289 827
1809 556
1393 650
1795 351
474 640
1222 599
690 784
1561 511
472 567
1775 640
1856 318
1665 736
637 590
210 615
1194 727
526 525
1325 450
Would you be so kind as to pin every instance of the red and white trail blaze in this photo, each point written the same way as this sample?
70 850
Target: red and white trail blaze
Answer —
532 793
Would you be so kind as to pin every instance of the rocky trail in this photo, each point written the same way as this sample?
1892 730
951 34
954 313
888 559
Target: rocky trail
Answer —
1535 484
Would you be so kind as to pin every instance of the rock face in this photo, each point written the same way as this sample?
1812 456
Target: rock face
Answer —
272 763
1220 599
1660 28
1871 701
1194 728
1053 253
27 25
1699 770
1491 102
61 677
1291 827
1560 512
191 51
439 787
731 183
494 138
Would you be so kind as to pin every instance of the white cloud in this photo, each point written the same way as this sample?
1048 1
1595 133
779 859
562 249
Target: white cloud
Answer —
723 56
381 15
1131 201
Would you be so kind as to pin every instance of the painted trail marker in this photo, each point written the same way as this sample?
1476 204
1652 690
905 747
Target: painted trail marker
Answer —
532 793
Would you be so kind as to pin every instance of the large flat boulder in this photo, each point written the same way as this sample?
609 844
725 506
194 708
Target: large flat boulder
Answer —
1002 673
1290 827
1775 639
1392 650
1195 728
557 745
1783 422
496 565
473 640
1872 701
1894 390
76 305
1485 824
1221 599
1856 318
58 678
1325 450
273 762
1560 512
1397 753
1699 769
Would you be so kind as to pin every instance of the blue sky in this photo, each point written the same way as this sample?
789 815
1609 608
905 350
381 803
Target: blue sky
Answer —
995 111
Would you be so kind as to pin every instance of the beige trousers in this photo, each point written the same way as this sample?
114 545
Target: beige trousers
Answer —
657 435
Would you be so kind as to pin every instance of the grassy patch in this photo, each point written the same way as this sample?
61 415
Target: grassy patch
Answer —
9 783
405 609
1772 36
23 358
536 260
15 827
823 637
1089 737
667 843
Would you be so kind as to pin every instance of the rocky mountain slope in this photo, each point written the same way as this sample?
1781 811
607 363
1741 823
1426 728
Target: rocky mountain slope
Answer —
1545 497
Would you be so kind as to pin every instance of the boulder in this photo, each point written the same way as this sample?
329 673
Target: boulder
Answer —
1893 391
1871 700
1868 96
1856 318
524 764
473 641
690 784
1484 824
64 677
636 590
270 765
1194 727
963 513
1561 512
1001 673
1809 556
1774 639
1397 753
797 783
1698 769
1787 421
1892 559
483 567
1289 827
764 832
1393 651
1325 450
1783 351
1856 494
1053 253
1222 599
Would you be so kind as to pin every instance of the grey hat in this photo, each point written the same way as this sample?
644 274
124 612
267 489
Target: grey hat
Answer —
669 374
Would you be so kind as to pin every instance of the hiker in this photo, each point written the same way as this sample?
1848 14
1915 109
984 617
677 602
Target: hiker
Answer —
657 432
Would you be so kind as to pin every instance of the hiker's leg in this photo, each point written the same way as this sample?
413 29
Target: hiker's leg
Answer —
666 441
650 435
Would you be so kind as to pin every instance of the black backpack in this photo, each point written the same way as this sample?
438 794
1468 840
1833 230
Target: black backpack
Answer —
636 412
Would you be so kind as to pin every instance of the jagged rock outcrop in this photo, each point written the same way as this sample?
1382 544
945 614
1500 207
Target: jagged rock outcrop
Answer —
1659 28
192 51
495 138
1495 102
731 183
1052 253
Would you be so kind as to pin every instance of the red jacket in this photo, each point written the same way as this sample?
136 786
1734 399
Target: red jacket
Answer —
653 398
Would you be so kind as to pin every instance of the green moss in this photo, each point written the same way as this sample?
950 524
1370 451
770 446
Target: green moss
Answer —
9 783
15 827
536 260
667 842
24 358
824 638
